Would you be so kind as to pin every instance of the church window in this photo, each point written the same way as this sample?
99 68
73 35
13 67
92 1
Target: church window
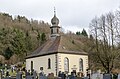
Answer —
57 30
52 31
49 63
81 64
66 64
31 65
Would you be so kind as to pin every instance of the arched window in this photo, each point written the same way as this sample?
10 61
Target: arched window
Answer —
57 30
51 30
49 63
31 65
66 64
81 64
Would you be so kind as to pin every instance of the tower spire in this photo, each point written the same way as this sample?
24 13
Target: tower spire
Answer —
54 11
54 28
55 20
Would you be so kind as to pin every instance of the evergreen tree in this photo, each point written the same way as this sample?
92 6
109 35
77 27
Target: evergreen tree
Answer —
5 38
18 43
38 37
78 33
8 53
43 37
28 42
84 33
14 34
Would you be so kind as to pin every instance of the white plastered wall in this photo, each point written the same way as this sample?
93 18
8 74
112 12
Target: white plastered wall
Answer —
73 60
42 61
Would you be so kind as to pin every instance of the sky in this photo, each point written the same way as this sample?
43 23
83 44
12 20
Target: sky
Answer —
74 15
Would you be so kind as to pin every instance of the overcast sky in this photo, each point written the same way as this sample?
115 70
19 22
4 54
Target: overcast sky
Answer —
74 15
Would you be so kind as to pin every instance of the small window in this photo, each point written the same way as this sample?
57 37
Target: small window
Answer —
31 65
66 64
52 31
57 30
81 64
41 68
49 63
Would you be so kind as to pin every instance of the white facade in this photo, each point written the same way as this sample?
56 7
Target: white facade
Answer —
73 62
41 61
57 63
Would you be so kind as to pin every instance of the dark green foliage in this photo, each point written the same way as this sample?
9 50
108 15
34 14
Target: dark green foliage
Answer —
20 36
18 43
5 38
28 41
84 33
8 53
78 33
22 19
38 37
43 37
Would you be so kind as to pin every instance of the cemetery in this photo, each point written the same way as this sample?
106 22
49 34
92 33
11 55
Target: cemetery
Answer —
15 72
31 49
56 60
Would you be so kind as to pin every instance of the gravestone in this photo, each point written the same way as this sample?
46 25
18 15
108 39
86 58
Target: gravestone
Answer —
41 74
42 77
58 77
19 76
97 76
94 76
7 78
118 76
34 74
85 78
28 77
107 76
72 77
63 76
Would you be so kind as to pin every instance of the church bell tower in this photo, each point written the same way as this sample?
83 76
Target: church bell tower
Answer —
55 28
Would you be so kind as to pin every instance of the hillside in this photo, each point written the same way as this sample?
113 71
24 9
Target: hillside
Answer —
19 36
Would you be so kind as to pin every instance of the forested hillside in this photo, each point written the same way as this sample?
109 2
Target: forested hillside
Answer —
19 36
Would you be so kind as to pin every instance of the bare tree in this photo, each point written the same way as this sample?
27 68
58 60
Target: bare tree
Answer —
105 50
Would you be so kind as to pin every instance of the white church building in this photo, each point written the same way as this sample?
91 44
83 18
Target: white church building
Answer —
55 55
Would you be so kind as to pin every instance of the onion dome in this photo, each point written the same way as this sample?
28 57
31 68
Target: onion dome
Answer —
55 20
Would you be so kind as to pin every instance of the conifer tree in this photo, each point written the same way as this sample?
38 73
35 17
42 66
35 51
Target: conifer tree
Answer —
43 37
84 33
8 53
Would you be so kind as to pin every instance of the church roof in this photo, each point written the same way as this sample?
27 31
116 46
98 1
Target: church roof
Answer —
60 44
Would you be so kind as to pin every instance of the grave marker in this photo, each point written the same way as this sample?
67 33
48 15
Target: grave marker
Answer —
107 76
